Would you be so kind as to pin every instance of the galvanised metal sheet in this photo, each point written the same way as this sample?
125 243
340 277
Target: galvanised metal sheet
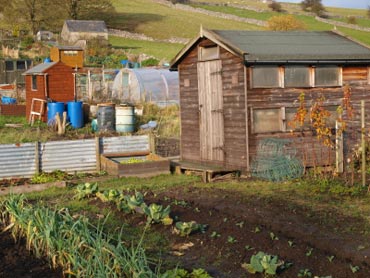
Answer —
69 156
17 160
124 144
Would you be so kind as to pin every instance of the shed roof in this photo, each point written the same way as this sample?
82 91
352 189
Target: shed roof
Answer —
40 68
69 47
284 47
86 26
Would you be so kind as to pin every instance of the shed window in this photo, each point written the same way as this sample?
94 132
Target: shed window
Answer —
9 65
327 76
34 82
21 65
209 53
297 77
266 77
70 53
267 120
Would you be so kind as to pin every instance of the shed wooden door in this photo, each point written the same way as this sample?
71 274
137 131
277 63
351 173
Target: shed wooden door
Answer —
211 111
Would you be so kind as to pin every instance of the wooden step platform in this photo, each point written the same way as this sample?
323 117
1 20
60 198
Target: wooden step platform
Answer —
208 172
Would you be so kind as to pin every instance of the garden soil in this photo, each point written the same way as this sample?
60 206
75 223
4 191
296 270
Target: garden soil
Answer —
237 227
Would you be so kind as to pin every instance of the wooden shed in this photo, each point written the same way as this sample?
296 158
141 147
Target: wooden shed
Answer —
240 87
75 30
72 56
52 81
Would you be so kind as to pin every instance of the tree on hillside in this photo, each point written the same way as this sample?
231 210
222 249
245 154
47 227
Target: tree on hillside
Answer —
29 13
88 9
285 23
314 6
275 6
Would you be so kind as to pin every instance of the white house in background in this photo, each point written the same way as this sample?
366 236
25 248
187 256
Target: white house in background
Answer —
77 30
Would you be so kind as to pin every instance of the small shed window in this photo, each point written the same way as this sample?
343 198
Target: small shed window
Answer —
267 120
34 82
266 77
21 65
327 76
297 76
70 53
9 65
208 53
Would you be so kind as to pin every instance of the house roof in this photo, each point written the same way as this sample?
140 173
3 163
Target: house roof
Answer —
86 26
40 68
284 47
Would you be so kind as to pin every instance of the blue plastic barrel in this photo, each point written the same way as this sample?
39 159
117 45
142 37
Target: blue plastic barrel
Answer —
75 114
8 100
53 109
125 119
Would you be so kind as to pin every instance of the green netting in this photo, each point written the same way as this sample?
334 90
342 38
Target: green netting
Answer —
276 161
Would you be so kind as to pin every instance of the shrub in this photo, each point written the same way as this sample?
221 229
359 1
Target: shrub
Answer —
351 19
284 23
275 6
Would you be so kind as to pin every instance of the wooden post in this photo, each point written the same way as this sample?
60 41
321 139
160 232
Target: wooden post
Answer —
152 142
97 153
37 158
338 148
363 145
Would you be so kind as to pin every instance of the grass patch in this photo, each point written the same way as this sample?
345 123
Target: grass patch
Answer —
160 50
39 132
163 22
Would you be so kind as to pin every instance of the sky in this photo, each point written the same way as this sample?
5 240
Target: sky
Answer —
357 4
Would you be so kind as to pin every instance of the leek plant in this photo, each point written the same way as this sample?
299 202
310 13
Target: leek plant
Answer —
73 243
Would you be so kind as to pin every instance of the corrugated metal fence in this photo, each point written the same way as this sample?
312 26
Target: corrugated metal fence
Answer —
21 160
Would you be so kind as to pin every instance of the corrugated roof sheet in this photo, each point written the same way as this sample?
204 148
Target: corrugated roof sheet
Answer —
96 26
40 68
297 45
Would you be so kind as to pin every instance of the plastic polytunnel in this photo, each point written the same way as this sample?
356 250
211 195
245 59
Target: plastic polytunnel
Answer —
159 86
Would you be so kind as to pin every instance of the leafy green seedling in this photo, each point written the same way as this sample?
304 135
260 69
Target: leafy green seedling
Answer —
231 239
110 195
197 209
291 243
156 213
214 234
136 201
186 228
181 203
330 258
263 263
304 273
240 224
354 268
225 219
86 190
309 252
360 247
273 236
248 248
257 230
